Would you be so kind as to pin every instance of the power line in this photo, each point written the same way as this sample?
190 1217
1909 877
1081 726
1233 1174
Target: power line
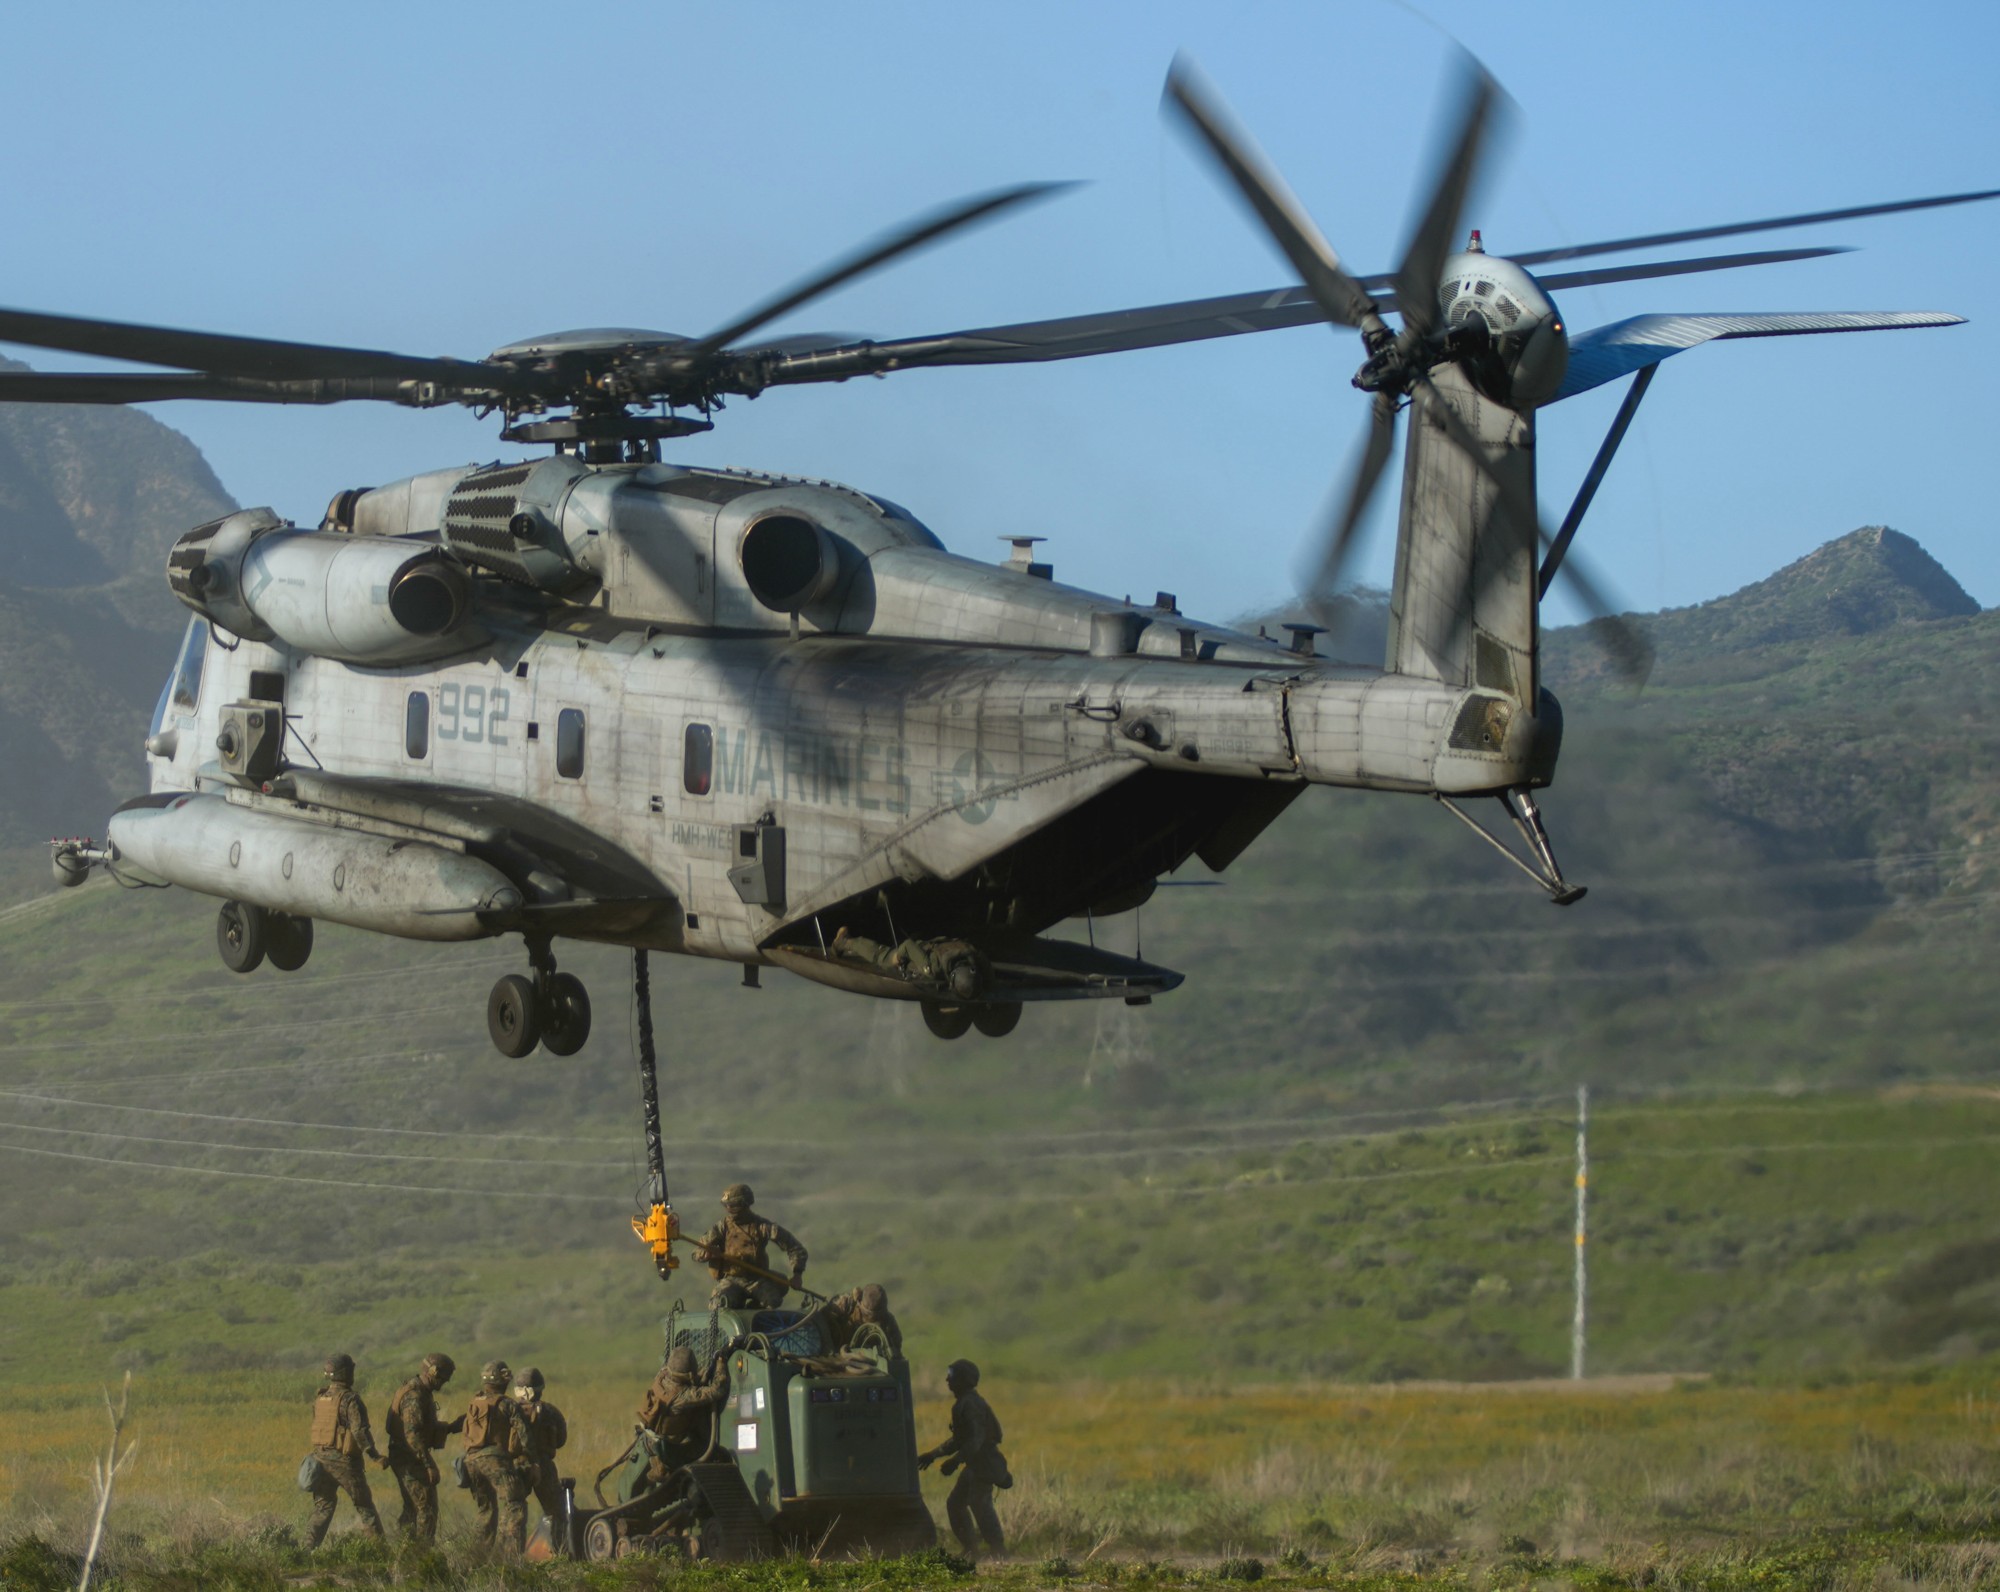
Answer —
543 1195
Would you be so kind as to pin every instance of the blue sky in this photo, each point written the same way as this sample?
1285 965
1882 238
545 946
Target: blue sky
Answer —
444 179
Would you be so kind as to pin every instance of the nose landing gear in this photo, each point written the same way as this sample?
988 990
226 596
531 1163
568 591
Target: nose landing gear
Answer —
549 1009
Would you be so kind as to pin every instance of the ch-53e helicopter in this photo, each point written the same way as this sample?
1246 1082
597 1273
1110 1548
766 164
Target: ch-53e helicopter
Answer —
594 695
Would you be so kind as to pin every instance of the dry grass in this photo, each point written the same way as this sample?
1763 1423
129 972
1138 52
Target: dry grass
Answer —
1602 1473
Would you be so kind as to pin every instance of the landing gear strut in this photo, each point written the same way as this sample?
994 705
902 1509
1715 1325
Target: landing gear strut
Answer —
549 1009
1519 804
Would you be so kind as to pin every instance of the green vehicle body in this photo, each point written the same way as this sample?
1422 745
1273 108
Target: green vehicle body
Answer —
809 1452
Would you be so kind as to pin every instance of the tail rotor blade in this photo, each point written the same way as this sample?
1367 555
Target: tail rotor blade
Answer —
1338 294
1379 441
1423 262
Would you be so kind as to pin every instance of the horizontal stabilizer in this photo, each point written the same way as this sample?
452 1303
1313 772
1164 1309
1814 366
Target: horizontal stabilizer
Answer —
1607 352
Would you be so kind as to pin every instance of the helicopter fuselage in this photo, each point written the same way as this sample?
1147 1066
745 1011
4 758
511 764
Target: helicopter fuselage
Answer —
751 781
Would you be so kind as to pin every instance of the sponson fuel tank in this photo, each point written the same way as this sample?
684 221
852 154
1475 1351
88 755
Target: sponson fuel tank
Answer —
221 848
360 599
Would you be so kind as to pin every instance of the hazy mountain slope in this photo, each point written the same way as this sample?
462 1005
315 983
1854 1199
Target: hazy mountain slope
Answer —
90 501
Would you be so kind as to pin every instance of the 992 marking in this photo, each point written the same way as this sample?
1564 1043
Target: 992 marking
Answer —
473 713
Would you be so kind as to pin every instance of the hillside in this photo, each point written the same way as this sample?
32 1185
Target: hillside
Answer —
1785 840
90 501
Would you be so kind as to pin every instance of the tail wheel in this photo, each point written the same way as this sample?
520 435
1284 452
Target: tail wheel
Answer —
565 1015
290 941
947 1022
997 1022
240 935
511 1016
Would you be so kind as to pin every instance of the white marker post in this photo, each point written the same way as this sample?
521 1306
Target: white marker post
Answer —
1582 1189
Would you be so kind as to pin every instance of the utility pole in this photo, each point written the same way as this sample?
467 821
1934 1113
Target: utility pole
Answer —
1582 1190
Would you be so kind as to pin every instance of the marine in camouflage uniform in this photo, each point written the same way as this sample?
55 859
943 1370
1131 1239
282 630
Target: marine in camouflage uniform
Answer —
679 1409
952 967
414 1430
744 1235
497 1468
340 1437
543 1430
846 1314
973 1450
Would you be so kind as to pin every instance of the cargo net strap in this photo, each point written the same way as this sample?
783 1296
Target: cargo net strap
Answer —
705 1341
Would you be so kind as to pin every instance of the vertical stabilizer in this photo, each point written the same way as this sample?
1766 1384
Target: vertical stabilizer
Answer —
1463 607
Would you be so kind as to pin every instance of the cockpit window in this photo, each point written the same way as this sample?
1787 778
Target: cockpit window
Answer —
187 673
182 692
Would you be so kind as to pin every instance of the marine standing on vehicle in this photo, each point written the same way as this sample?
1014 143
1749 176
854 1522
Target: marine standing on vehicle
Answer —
743 1238
340 1437
543 1431
973 1450
497 1467
414 1431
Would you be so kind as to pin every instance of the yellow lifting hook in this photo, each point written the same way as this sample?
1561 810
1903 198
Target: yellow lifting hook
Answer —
658 1231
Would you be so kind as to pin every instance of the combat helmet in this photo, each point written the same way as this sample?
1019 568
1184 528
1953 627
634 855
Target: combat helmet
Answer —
961 1376
680 1364
873 1299
738 1194
494 1373
340 1368
531 1378
441 1366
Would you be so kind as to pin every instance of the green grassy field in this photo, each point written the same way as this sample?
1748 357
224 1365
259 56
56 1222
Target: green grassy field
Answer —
1179 1328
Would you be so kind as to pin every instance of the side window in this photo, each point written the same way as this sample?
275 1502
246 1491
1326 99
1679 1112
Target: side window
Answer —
569 743
187 673
417 726
697 759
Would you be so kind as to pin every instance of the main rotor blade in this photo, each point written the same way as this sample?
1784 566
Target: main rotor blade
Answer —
1151 326
57 387
134 387
925 229
223 355
1658 240
1417 278
1343 299
1377 444
1657 268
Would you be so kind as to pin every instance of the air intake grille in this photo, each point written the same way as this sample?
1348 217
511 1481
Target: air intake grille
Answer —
477 518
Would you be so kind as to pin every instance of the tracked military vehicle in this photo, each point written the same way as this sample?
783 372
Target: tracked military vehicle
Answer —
814 1451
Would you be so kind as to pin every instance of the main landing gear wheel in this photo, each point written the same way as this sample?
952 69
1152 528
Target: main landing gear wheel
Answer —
241 933
565 1011
288 941
997 1022
513 1016
947 1022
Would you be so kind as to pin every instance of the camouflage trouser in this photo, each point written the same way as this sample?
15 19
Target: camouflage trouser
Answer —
340 1473
548 1492
747 1293
971 1505
499 1494
420 1495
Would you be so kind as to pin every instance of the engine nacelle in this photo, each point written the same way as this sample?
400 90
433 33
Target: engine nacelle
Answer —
360 599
